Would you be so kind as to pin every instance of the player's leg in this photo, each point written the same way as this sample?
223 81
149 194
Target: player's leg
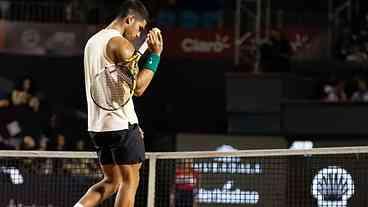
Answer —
112 176
129 157
103 189
127 191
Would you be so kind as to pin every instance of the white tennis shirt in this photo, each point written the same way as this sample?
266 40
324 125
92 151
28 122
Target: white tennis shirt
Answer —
95 60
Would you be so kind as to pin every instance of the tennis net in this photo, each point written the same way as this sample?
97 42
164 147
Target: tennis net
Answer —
324 177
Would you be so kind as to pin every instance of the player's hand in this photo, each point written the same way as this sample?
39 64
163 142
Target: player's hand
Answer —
155 42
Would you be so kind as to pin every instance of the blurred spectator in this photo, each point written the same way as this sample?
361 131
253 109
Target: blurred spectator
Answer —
186 183
334 92
4 100
28 143
20 95
58 144
80 145
43 144
361 94
24 94
357 55
4 145
26 106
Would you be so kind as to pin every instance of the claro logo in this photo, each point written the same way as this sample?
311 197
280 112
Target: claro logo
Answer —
206 46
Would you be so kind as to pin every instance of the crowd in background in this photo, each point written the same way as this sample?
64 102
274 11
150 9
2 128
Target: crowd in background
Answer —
348 89
27 122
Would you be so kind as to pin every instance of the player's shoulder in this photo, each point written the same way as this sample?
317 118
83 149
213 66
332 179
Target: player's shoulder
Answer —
122 47
92 41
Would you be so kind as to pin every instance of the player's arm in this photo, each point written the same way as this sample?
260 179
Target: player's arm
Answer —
118 50
146 74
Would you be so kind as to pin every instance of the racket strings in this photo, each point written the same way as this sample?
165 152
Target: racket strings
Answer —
116 90
112 88
124 76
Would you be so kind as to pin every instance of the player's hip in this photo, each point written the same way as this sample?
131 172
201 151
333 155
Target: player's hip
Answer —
102 121
117 138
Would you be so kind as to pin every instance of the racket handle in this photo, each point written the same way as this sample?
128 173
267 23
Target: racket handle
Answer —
142 49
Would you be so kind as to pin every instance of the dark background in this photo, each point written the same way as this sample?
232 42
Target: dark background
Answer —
210 96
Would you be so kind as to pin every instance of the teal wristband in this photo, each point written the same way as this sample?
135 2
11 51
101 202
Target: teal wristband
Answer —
152 62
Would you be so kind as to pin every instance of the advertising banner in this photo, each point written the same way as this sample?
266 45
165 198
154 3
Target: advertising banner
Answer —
69 40
199 44
334 180
285 181
237 181
45 39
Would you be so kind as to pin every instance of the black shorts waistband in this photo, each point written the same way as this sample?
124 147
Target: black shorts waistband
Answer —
130 126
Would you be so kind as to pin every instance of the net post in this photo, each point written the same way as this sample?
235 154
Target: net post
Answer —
151 180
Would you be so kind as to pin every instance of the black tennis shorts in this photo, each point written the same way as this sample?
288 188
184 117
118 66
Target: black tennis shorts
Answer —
119 147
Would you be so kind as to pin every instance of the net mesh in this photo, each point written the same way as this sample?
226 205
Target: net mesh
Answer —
221 182
53 181
286 178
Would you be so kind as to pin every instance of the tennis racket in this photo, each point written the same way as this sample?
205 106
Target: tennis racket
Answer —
113 87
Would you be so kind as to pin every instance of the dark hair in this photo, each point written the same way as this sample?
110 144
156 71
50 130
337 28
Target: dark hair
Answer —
133 7
20 81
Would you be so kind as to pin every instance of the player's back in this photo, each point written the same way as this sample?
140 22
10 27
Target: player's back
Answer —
95 60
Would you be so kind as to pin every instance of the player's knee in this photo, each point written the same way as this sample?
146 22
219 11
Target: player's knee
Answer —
130 175
131 180
114 182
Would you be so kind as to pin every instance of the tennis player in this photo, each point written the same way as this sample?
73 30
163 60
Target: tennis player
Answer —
116 134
